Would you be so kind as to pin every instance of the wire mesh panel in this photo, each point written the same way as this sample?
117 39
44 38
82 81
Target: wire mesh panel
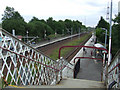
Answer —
21 64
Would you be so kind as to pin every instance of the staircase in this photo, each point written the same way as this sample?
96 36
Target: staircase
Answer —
24 65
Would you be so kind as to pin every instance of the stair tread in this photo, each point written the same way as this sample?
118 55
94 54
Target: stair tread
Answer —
81 83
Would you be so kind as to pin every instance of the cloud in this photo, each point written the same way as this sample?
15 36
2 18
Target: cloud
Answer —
60 9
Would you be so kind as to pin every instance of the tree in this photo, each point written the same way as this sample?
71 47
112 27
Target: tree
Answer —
51 22
34 19
100 36
63 27
18 25
13 20
117 19
102 24
9 13
76 26
37 27
116 35
69 25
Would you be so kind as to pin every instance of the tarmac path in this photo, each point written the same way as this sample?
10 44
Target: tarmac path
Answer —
90 69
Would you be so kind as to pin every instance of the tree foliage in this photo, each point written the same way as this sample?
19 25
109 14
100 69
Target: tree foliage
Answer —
13 20
100 33
18 25
103 24
116 34
10 13
38 28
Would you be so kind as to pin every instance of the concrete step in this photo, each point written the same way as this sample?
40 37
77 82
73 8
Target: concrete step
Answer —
80 83
71 83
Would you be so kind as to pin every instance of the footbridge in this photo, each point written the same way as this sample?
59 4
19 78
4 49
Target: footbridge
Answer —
22 66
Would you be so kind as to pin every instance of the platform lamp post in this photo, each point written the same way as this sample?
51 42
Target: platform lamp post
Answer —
63 32
45 34
27 36
105 36
105 45
71 32
79 33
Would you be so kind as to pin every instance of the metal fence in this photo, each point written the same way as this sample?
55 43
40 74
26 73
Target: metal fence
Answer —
112 73
21 64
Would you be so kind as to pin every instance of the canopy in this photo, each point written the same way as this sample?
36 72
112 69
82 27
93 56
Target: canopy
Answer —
99 45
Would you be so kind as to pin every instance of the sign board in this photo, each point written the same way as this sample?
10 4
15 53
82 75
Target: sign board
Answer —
19 37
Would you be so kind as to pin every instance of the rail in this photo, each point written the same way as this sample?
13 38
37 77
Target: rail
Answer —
24 65
113 73
118 65
79 46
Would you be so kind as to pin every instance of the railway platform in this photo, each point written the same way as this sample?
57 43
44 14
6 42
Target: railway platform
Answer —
44 43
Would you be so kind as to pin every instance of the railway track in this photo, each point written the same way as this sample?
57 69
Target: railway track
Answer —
75 51
47 49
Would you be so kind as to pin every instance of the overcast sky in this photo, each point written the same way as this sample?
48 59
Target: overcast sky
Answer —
86 11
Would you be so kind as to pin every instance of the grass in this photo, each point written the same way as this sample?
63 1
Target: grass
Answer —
54 55
0 83
54 36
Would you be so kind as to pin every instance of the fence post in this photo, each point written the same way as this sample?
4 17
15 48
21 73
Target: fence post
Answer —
106 75
0 73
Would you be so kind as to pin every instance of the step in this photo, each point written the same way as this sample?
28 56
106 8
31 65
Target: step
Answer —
71 83
80 83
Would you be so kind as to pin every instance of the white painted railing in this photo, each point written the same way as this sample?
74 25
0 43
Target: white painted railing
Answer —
113 73
24 65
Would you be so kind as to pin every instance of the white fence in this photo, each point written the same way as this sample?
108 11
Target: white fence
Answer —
112 74
21 64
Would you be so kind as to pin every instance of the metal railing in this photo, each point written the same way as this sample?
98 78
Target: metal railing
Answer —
24 65
112 73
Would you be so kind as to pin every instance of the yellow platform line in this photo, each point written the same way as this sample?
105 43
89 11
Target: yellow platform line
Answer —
16 86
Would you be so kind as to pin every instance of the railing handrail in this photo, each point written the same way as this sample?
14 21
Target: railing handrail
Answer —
114 57
79 46
118 65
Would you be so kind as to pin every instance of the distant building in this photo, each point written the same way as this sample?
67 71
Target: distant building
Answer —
119 7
